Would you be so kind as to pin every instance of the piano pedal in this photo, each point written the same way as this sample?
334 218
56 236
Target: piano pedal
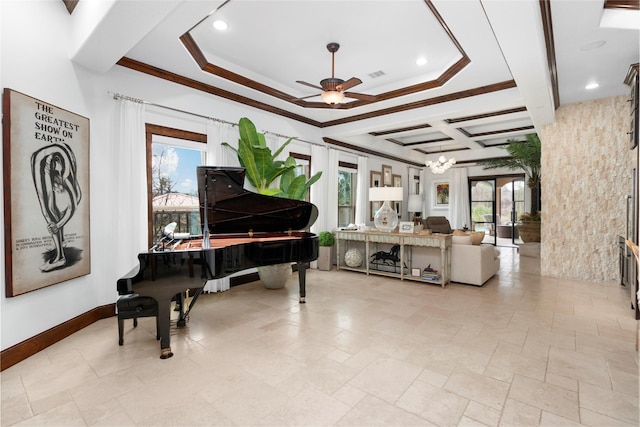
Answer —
165 353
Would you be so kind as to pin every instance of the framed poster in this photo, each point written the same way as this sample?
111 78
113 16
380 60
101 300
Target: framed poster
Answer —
387 179
376 181
441 194
397 182
46 194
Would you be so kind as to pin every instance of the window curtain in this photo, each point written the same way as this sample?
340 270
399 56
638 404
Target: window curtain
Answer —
131 177
331 222
423 192
318 191
362 191
460 210
217 155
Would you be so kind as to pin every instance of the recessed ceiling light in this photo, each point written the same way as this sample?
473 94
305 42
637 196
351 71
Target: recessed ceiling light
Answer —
220 25
621 18
421 61
593 45
591 86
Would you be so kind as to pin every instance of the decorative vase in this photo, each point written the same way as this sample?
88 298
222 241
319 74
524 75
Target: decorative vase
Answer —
386 219
529 231
275 276
353 258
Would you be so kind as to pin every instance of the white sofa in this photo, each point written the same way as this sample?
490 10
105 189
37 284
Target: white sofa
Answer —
473 264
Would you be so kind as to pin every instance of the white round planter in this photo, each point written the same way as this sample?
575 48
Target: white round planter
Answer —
275 276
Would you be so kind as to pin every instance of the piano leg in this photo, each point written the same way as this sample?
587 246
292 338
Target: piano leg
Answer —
164 327
302 278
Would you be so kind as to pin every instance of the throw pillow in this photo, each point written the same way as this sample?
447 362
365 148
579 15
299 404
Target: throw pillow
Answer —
476 237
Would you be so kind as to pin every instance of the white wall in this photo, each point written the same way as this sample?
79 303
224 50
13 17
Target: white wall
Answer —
34 43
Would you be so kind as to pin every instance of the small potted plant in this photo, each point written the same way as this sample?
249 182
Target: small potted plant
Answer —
326 240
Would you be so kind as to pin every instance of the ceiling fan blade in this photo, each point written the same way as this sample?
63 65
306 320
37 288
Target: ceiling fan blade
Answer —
361 96
305 97
353 81
309 84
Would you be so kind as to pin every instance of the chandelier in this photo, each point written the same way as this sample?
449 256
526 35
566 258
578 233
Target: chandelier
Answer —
441 165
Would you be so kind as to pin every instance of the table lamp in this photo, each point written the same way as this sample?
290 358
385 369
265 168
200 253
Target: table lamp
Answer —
386 219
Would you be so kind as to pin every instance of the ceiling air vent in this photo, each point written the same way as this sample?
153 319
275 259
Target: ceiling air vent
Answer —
376 74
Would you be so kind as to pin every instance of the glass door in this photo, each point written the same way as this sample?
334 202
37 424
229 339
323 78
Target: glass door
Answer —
483 207
511 204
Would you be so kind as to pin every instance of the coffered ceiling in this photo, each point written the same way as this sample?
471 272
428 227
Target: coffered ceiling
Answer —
495 70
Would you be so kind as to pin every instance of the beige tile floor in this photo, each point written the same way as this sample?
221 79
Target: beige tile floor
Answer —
523 350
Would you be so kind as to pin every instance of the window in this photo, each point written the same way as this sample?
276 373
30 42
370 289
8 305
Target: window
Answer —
303 167
172 159
347 175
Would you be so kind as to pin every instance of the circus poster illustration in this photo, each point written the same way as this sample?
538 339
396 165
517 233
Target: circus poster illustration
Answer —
46 194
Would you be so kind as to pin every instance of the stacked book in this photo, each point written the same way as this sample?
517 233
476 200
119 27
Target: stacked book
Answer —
430 274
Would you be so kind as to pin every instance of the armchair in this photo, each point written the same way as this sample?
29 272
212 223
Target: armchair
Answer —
438 224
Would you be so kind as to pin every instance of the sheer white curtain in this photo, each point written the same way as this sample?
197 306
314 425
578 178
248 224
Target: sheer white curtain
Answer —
318 191
362 191
217 133
460 210
131 183
331 222
423 192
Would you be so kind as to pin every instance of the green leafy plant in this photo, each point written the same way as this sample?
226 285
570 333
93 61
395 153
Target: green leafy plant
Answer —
530 217
263 170
524 155
326 238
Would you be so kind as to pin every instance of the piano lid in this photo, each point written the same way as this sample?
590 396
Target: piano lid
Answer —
232 209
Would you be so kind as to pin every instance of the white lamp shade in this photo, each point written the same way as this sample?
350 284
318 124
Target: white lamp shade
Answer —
415 203
384 194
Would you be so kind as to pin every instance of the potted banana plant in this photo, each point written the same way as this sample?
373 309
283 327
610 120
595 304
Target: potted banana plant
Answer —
525 156
270 177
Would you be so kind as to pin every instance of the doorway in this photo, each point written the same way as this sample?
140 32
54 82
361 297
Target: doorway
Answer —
510 205
496 203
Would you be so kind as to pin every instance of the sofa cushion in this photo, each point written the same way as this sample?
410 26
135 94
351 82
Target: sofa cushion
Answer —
476 236
461 240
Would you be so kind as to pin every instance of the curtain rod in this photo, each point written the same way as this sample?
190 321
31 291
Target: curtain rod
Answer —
142 101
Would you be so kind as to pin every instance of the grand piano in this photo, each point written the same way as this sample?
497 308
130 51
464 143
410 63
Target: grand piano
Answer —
241 230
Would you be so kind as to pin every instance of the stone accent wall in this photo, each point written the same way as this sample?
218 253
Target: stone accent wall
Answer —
586 173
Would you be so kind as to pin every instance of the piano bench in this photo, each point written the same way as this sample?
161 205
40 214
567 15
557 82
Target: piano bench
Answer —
132 306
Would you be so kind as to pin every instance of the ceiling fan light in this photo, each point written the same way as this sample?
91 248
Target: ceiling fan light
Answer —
332 97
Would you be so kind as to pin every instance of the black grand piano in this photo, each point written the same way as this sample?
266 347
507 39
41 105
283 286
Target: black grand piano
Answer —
241 230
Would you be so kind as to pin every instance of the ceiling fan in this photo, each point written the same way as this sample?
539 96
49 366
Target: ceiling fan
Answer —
333 90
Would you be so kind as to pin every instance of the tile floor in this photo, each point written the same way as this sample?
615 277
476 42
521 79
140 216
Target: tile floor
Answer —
523 350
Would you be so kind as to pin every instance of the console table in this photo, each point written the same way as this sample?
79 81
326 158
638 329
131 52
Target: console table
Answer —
406 241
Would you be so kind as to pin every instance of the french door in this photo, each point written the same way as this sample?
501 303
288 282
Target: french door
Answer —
496 204
482 194
511 192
